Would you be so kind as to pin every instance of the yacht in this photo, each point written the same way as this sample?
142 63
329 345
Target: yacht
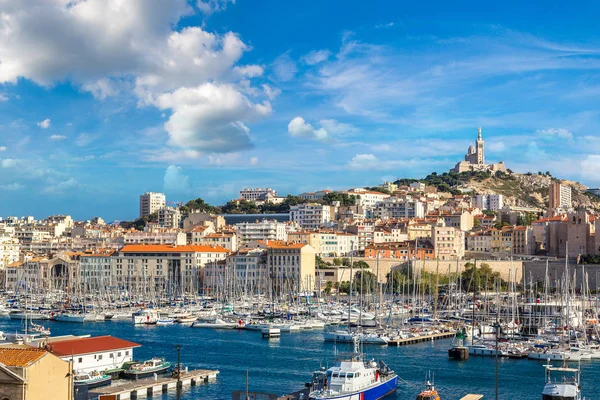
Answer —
216 323
353 378
145 317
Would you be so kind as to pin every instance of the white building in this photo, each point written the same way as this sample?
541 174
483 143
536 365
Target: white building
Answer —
91 354
311 215
367 198
313 196
254 194
260 230
155 237
151 202
9 251
394 207
418 186
480 241
493 202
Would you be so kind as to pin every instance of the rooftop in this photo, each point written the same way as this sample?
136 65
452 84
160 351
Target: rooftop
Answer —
20 357
90 345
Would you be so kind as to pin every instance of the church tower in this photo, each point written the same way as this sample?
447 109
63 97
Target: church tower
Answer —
479 148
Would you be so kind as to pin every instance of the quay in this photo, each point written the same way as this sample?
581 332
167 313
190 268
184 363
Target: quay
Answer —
149 387
420 339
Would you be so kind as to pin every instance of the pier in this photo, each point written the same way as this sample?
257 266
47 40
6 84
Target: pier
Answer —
420 339
149 387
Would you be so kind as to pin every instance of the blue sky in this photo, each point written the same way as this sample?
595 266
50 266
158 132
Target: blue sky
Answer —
101 100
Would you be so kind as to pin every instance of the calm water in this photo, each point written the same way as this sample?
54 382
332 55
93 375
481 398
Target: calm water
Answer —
282 366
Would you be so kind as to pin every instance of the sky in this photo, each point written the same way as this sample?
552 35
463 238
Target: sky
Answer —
103 100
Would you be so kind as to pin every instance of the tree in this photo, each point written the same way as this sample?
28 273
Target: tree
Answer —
344 198
364 281
395 280
346 261
378 189
320 263
200 205
328 287
476 223
337 262
360 264
479 278
344 287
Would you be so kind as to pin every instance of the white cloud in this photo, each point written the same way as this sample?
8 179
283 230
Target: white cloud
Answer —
590 167
62 186
381 147
101 89
364 161
284 67
175 181
300 128
209 117
2 148
210 6
12 187
3 97
316 56
270 92
8 163
551 133
58 137
83 139
388 25
45 124
254 161
249 71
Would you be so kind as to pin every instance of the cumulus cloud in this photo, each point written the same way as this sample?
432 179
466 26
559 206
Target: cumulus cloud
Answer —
551 133
175 181
316 56
45 124
8 163
270 92
364 161
12 187
58 137
107 46
298 127
83 139
209 117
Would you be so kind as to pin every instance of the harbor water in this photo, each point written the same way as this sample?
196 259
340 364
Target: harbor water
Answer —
284 365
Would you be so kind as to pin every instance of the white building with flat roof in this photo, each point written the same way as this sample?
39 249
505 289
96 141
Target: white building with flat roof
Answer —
254 194
310 215
151 202
260 230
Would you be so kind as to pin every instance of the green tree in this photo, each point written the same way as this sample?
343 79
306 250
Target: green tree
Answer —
364 281
344 198
320 263
337 262
476 223
360 264
328 287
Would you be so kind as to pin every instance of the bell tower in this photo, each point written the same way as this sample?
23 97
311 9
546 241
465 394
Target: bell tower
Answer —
479 148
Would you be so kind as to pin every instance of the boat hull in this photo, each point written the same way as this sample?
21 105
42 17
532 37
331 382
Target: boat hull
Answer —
145 374
373 393
94 383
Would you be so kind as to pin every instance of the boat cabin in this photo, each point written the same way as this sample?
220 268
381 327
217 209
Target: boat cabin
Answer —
350 374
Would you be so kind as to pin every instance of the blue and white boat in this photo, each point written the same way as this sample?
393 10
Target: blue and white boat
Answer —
352 378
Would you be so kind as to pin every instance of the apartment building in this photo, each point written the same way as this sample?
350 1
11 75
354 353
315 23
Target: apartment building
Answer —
559 196
169 217
395 208
480 241
367 198
448 242
493 202
311 216
254 194
227 240
261 230
151 202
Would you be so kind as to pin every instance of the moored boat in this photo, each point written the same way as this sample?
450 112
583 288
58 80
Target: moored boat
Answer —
91 380
429 393
565 388
216 323
147 368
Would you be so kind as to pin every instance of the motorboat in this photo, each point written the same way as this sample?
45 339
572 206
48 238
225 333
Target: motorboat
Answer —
91 380
429 393
216 323
147 368
353 378
145 317
565 388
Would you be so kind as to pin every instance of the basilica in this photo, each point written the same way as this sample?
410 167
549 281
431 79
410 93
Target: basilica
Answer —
475 159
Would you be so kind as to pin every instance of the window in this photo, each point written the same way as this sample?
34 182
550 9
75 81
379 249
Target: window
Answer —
80 360
127 353
119 354
100 357
112 355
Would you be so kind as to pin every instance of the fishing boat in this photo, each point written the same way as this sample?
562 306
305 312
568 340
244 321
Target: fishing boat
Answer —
429 393
565 388
91 380
147 368
353 378
216 323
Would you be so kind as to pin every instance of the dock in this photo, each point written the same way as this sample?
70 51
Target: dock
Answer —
149 387
420 339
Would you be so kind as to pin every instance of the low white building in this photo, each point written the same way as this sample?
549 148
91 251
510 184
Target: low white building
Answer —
101 353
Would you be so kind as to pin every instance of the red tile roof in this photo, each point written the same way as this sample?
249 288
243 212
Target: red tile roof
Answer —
166 248
20 357
90 345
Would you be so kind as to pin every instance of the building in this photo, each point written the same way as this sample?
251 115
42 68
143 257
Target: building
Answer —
502 240
523 241
151 202
367 198
404 251
311 215
227 240
169 217
314 196
480 241
260 230
559 196
89 354
493 202
396 208
257 194
9 251
475 159
448 242
34 374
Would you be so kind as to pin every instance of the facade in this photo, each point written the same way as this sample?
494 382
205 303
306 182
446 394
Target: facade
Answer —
480 241
261 230
493 202
90 354
172 237
169 217
448 242
314 196
311 215
502 240
559 196
9 251
404 251
34 374
475 159
367 198
523 241
396 208
227 240
254 194
151 202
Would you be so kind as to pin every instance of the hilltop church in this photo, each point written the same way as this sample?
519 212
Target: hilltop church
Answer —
475 159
